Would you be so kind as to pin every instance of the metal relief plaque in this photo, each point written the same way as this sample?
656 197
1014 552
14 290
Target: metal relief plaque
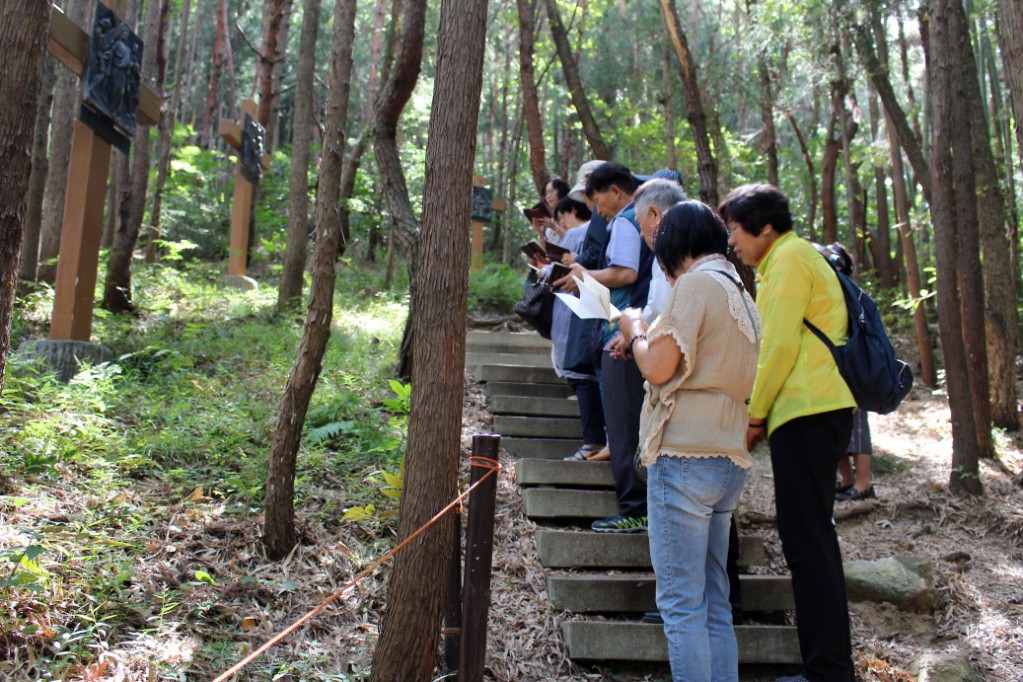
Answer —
482 204
252 149
112 81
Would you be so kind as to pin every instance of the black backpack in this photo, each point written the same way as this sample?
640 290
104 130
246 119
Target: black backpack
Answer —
878 380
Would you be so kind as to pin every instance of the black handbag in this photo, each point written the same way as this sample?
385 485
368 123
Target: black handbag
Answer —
537 307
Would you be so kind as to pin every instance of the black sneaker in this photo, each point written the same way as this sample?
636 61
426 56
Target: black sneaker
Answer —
851 494
652 617
620 524
792 678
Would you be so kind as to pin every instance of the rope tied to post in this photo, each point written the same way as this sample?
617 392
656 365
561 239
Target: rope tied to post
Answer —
492 466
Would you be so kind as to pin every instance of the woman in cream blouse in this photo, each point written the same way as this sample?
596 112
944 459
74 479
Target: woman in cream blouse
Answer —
699 359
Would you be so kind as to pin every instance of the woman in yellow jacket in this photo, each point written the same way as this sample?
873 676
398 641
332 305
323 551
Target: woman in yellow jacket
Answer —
802 405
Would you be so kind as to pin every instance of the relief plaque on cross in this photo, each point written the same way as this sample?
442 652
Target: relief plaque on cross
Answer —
247 139
112 79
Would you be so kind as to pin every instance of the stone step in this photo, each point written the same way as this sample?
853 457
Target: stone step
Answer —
530 375
587 549
552 472
539 427
619 641
539 407
569 503
477 359
589 593
544 448
522 390
507 342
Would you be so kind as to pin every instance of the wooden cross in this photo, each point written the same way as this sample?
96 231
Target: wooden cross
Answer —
483 207
244 184
89 167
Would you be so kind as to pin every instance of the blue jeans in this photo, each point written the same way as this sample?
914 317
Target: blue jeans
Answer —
690 502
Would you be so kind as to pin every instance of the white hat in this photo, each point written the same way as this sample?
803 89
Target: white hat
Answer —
581 177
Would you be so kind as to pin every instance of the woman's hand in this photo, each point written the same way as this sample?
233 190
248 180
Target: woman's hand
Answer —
631 322
756 431
569 258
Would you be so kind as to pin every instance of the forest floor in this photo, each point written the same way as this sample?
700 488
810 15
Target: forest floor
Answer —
145 578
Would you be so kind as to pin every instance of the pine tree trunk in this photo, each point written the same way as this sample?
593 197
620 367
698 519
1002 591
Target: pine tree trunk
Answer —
942 70
668 102
598 147
811 176
213 88
280 536
23 30
695 113
274 13
166 135
40 169
882 250
770 144
390 102
409 633
65 112
289 294
530 99
1010 39
829 165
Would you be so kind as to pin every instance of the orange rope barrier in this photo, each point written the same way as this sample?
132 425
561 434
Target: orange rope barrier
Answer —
493 465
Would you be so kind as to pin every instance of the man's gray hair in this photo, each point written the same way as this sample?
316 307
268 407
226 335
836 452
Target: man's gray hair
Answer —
658 192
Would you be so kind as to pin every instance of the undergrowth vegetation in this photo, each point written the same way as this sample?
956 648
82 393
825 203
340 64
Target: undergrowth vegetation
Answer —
93 473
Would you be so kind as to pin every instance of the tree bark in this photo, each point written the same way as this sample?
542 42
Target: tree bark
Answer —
811 173
695 114
530 99
289 294
390 102
166 135
65 112
575 86
23 30
268 59
770 143
942 70
409 633
882 245
971 277
117 287
1010 39
37 181
829 165
280 536
668 102
213 84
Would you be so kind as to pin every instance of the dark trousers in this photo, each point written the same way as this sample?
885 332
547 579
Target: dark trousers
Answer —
804 456
591 410
623 401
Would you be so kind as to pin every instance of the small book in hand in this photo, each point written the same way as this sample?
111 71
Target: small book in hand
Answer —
534 250
558 272
555 252
536 212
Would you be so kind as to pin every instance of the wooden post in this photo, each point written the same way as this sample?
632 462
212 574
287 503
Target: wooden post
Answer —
241 209
86 193
453 608
479 552
477 232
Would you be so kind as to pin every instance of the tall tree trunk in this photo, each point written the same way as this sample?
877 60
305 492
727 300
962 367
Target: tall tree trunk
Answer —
857 210
267 60
1010 39
928 370
213 84
117 287
970 275
943 71
166 135
668 102
376 53
811 221
883 248
770 144
289 294
575 86
23 31
273 122
530 99
695 114
390 102
829 165
40 169
508 249
65 112
280 534
409 633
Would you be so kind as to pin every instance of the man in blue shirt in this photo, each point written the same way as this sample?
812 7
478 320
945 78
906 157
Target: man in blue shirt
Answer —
610 188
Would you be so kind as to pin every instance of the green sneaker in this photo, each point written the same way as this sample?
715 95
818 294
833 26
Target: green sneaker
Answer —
620 524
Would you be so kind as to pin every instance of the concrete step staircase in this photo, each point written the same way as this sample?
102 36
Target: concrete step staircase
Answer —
604 580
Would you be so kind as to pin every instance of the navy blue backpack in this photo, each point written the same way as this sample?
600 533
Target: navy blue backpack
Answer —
878 380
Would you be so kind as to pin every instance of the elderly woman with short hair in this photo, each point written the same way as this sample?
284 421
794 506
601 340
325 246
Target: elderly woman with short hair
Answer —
699 359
